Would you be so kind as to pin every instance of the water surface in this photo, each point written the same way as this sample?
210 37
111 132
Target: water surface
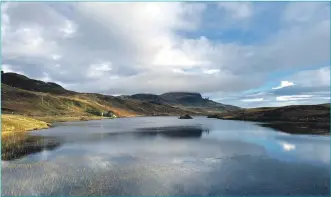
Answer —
166 156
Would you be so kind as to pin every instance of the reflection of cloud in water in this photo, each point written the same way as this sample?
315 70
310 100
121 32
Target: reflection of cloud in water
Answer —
287 146
142 167
238 175
307 148
44 155
97 162
162 149
96 177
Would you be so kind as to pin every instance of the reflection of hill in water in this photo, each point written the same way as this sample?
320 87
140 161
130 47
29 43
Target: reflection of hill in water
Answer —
170 132
174 132
20 145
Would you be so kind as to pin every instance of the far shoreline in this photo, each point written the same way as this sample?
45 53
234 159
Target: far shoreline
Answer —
47 122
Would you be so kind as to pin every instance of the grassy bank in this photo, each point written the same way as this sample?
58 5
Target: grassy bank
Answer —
16 123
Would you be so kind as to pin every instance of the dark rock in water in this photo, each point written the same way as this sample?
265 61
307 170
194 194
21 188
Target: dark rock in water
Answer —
186 116
212 116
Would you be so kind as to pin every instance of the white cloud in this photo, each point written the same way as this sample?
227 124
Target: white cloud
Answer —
56 57
148 42
211 71
305 12
293 97
258 94
237 10
284 84
313 78
98 69
287 146
253 100
69 29
6 68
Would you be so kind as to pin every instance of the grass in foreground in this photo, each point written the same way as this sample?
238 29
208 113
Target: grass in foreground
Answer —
16 145
16 123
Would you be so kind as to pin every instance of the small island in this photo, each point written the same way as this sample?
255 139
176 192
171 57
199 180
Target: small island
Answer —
186 116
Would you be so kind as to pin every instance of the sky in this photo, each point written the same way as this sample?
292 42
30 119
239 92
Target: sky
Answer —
241 53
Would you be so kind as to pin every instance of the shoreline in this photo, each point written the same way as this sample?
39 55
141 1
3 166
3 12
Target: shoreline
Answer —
45 122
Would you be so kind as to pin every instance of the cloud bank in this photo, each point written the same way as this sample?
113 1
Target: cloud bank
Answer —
224 50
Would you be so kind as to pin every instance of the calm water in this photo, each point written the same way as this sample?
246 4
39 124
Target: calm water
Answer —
167 156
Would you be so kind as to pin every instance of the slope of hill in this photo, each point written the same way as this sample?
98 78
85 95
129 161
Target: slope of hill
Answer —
49 101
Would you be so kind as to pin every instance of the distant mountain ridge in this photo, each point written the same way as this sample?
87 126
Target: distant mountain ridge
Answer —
23 95
183 99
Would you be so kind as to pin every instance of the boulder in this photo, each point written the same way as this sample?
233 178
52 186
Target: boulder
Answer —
186 116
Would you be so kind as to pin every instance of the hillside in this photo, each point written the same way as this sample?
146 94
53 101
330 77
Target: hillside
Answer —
293 113
25 96
295 119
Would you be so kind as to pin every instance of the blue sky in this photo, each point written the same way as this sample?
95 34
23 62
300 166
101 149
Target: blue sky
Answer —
241 53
